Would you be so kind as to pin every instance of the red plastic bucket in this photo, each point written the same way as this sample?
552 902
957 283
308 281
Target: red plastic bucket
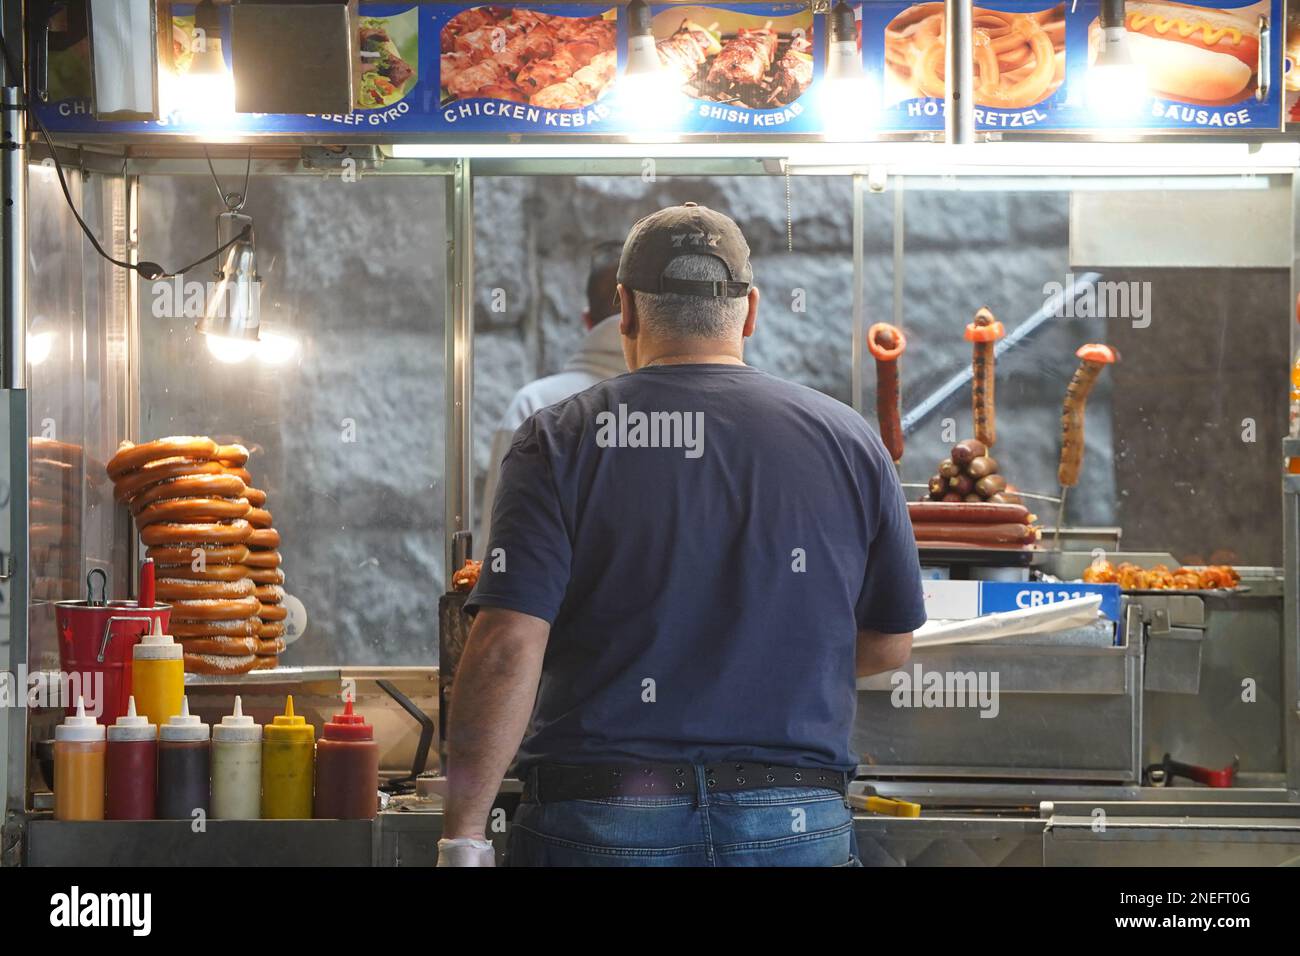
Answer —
95 643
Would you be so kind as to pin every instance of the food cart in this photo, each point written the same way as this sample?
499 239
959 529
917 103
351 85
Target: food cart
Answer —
420 245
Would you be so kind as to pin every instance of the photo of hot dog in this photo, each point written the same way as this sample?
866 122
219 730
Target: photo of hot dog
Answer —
886 344
1192 54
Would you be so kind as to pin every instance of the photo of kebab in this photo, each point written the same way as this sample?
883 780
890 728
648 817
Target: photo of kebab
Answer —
984 333
385 75
1092 359
755 67
527 57
886 343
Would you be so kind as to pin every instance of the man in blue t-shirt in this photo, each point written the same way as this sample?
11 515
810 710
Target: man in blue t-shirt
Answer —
689 566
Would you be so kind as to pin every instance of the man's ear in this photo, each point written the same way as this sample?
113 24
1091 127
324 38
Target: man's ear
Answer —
628 323
751 319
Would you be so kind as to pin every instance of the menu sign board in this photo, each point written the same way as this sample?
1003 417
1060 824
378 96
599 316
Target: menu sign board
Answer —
458 70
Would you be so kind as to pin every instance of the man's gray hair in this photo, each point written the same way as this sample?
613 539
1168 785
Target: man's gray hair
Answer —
671 315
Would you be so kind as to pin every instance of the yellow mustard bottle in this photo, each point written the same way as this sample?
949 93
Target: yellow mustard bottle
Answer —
157 676
288 765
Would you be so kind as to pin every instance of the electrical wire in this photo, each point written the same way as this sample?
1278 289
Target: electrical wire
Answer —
146 269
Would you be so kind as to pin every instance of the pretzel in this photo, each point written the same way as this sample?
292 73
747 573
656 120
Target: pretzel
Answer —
259 518
179 589
237 646
266 575
271 630
130 457
263 560
183 554
190 486
266 539
197 533
131 484
193 509
216 609
271 613
238 627
1019 57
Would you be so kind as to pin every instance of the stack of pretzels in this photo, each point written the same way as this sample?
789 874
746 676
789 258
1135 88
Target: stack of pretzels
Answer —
197 516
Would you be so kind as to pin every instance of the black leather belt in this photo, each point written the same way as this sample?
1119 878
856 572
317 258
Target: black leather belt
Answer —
550 783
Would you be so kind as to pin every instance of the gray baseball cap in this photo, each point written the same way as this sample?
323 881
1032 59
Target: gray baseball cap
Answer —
685 230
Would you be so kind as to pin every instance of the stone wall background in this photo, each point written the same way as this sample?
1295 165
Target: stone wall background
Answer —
359 274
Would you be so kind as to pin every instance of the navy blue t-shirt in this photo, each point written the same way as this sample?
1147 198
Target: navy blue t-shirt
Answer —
706 541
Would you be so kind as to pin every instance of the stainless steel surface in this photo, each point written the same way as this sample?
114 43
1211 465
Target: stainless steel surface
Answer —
459 450
1173 660
1291 616
959 71
1063 713
1145 230
14 647
171 843
281 675
13 239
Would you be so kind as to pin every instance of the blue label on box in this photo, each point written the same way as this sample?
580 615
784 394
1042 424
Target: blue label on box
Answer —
998 596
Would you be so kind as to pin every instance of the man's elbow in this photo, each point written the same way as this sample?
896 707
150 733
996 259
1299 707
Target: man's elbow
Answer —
879 653
897 653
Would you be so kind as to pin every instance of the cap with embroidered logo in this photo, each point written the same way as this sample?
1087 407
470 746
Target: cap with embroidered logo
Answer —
685 230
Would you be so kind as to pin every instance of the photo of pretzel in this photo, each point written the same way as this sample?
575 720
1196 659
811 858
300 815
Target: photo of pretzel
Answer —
1019 57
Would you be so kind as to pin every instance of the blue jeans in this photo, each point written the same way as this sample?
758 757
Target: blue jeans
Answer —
779 826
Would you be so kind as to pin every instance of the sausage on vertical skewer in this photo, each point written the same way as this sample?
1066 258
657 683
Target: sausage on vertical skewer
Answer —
886 344
983 333
1092 359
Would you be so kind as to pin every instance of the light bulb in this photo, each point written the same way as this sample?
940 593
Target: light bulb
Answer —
228 350
39 347
1116 85
276 348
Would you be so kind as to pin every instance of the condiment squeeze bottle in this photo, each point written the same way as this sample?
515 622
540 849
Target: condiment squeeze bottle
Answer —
158 676
79 767
237 767
288 764
184 760
132 767
347 768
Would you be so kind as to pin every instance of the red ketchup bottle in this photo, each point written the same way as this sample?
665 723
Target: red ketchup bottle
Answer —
132 767
347 769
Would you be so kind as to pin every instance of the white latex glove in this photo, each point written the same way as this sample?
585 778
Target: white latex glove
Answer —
466 851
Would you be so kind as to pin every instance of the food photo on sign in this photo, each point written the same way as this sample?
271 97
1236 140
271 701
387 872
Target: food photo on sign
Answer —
1192 66
742 67
1018 57
501 63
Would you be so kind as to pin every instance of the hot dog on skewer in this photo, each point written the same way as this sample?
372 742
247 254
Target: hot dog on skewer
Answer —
886 344
1092 359
983 333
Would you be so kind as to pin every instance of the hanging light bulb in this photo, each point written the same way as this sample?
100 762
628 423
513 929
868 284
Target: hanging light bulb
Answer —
232 312
1116 86
206 91
849 99
647 95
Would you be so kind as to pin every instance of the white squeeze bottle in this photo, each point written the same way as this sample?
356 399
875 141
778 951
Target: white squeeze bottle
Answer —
236 767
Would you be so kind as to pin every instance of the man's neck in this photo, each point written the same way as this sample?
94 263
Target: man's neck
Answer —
691 352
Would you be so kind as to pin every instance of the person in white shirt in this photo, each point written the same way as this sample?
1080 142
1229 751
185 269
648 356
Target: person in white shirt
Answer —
600 356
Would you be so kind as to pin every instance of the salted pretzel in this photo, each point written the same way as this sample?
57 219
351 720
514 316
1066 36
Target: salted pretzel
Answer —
1019 57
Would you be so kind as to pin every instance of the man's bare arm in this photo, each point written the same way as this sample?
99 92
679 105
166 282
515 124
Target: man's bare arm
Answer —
879 652
496 687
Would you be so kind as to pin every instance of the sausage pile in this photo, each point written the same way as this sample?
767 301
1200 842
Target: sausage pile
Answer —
194 512
970 504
